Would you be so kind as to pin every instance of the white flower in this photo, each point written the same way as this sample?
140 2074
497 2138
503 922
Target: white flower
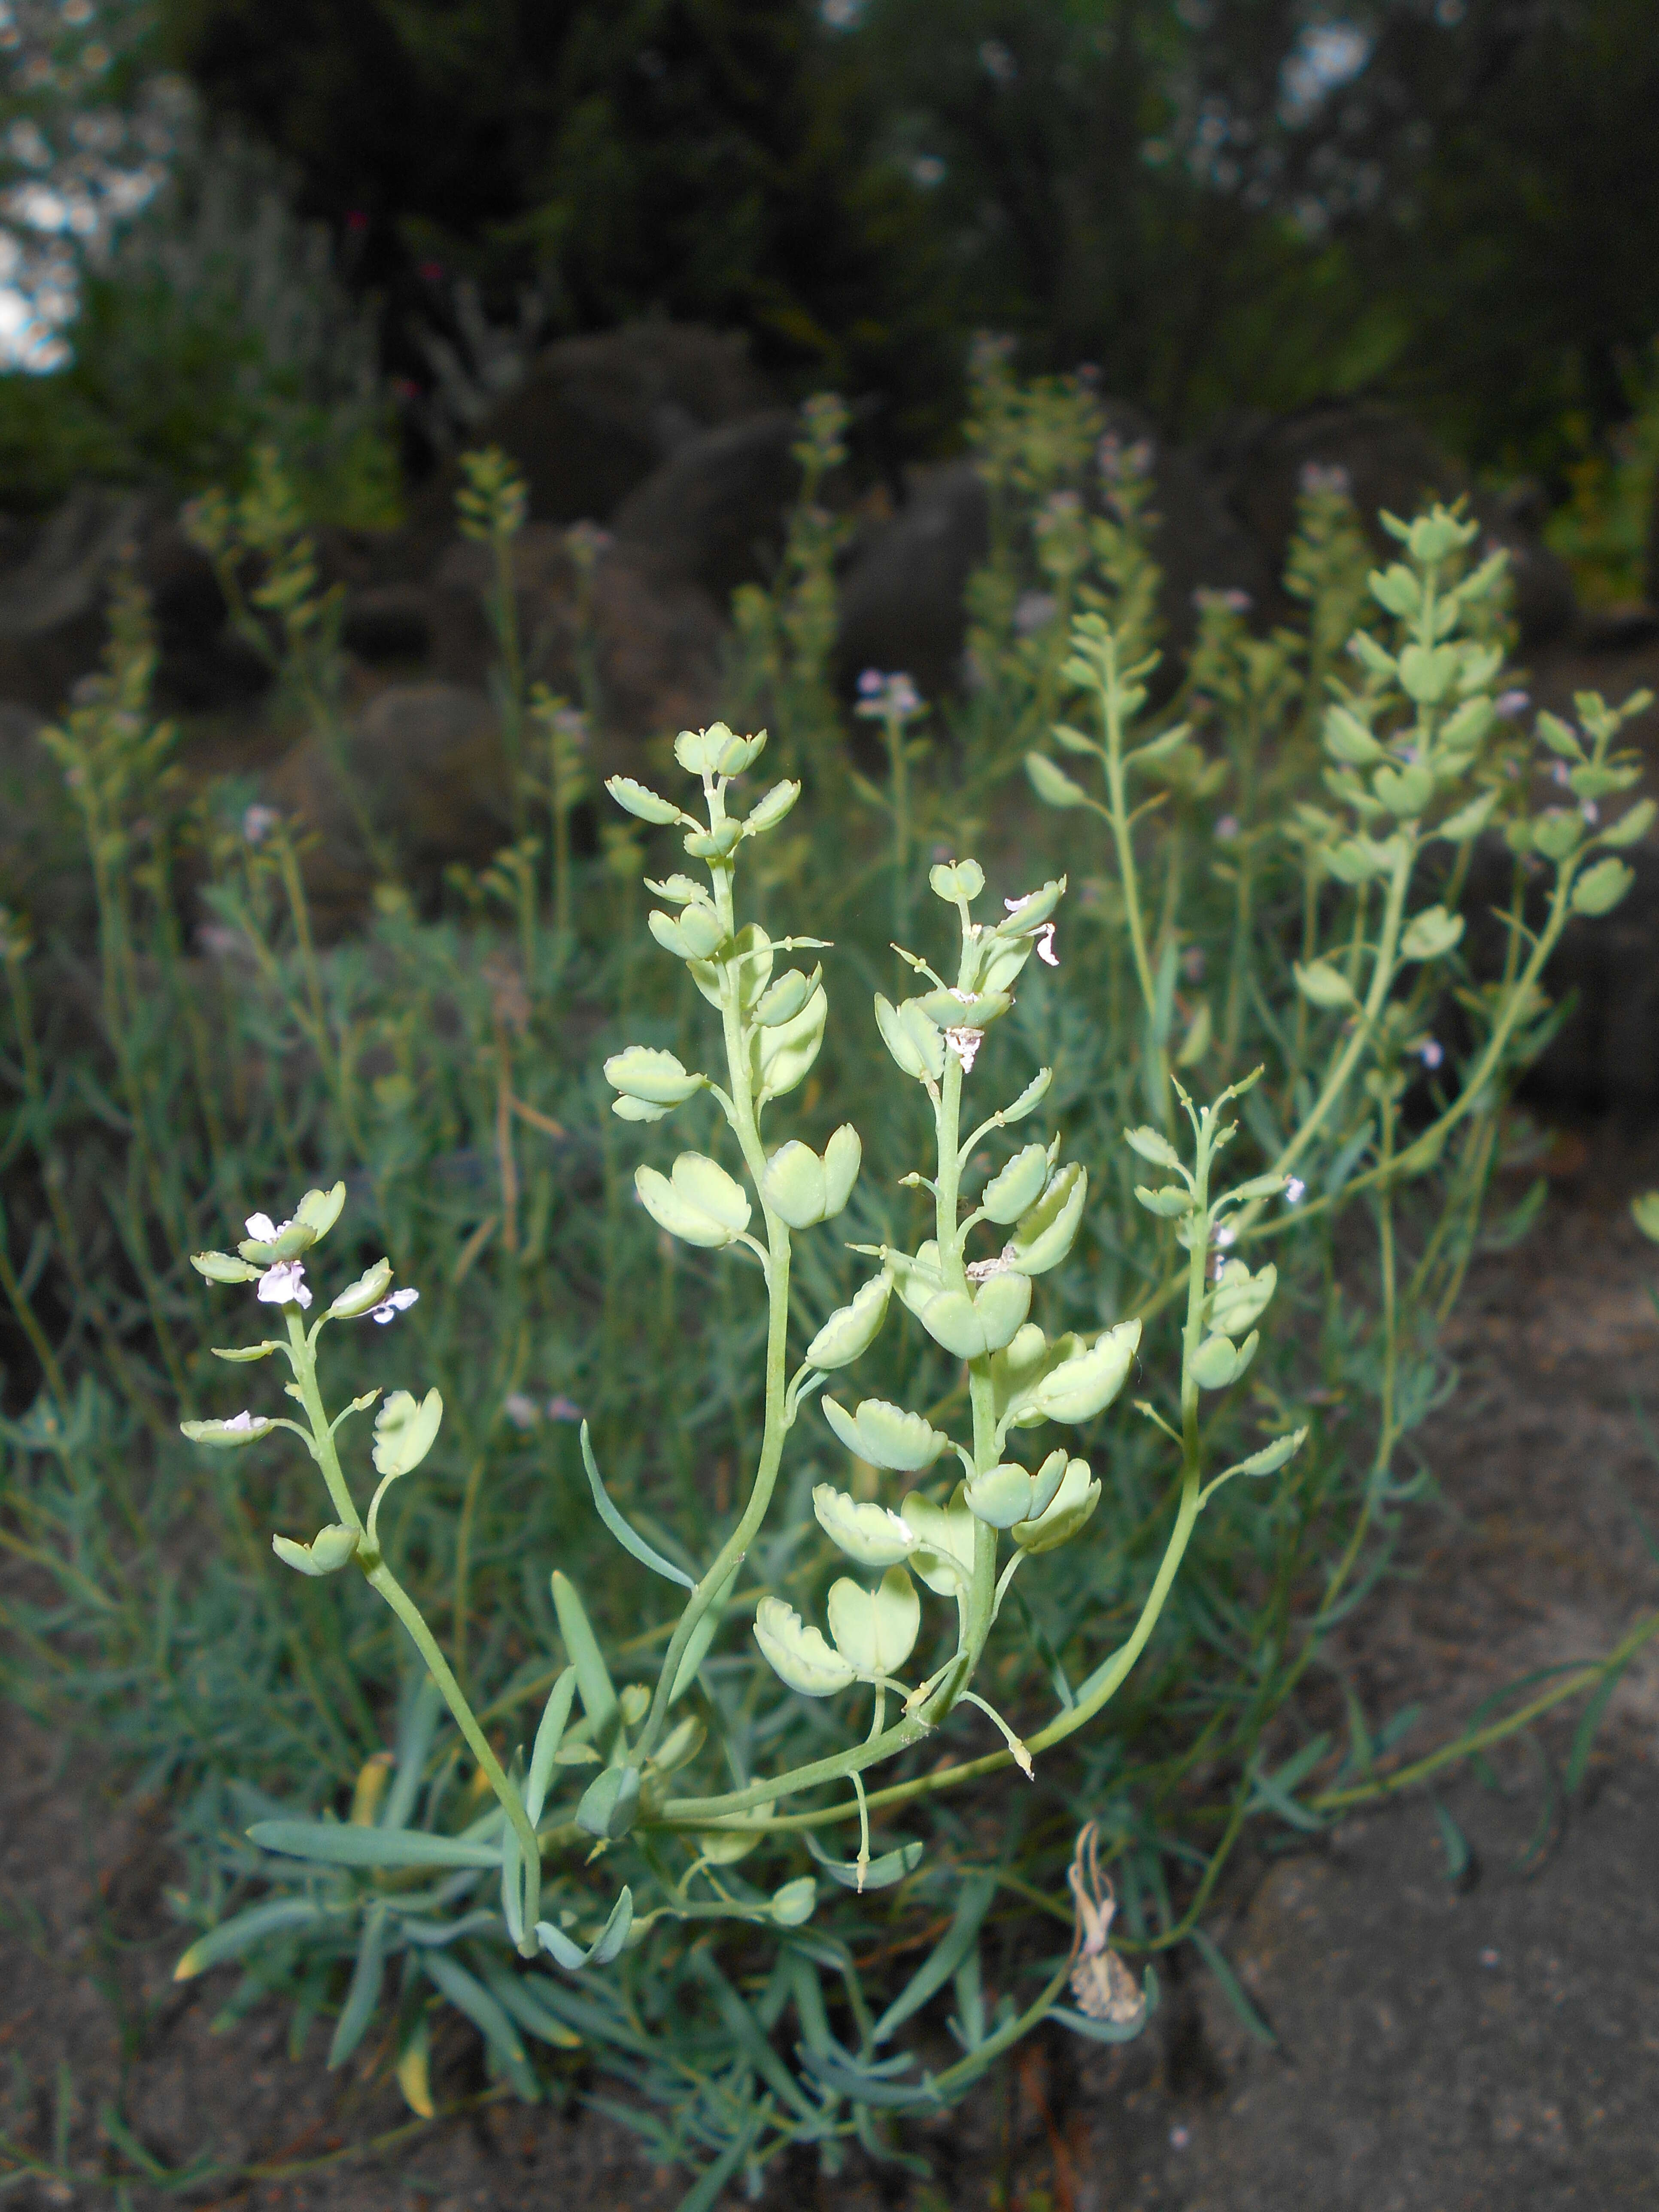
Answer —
1431 1052
263 1229
523 1412
284 1285
258 822
242 1421
965 1043
1294 1191
1045 950
1227 829
399 1302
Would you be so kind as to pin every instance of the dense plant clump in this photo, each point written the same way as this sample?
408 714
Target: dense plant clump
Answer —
1045 1304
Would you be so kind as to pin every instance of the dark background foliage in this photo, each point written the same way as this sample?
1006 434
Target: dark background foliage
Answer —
1466 220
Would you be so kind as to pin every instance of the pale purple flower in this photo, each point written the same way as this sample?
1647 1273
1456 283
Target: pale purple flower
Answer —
524 1412
1231 602
965 1043
399 1302
258 822
1035 611
284 1285
1431 1052
1590 810
561 1408
1324 477
1226 829
887 698
242 1423
1560 772
1511 705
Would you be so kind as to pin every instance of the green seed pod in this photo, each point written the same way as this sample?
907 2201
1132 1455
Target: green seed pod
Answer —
221 1267
914 1041
769 811
1010 1194
795 1902
1405 792
636 799
1076 1498
944 1557
970 1324
797 1654
1601 888
229 1436
1026 916
876 1630
1086 1384
783 1056
1217 1363
792 1185
1557 832
885 1435
1240 1298
364 1295
1046 1234
701 1205
843 1157
851 1330
1000 1495
956 879
1170 1204
867 1532
325 1554
404 1432
785 998
1432 932
657 1078
1321 985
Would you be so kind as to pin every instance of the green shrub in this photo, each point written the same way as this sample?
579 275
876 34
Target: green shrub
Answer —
610 1378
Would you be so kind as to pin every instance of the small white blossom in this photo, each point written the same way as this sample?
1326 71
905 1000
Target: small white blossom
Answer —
258 822
1511 704
263 1229
284 1285
1431 1052
1295 1191
1045 950
241 1422
1035 611
1226 829
524 1412
965 1043
399 1302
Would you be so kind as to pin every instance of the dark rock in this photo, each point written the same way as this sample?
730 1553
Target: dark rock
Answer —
389 623
902 595
656 639
425 761
597 415
1390 463
52 603
714 514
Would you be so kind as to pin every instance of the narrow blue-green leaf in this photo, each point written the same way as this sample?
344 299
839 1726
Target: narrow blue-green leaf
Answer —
947 1955
697 1644
364 1994
592 1676
1099 2031
867 2085
1589 1721
556 1718
336 1845
705 2190
1459 1858
630 1538
468 1994
232 1937
745 2032
1233 1990
415 1733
